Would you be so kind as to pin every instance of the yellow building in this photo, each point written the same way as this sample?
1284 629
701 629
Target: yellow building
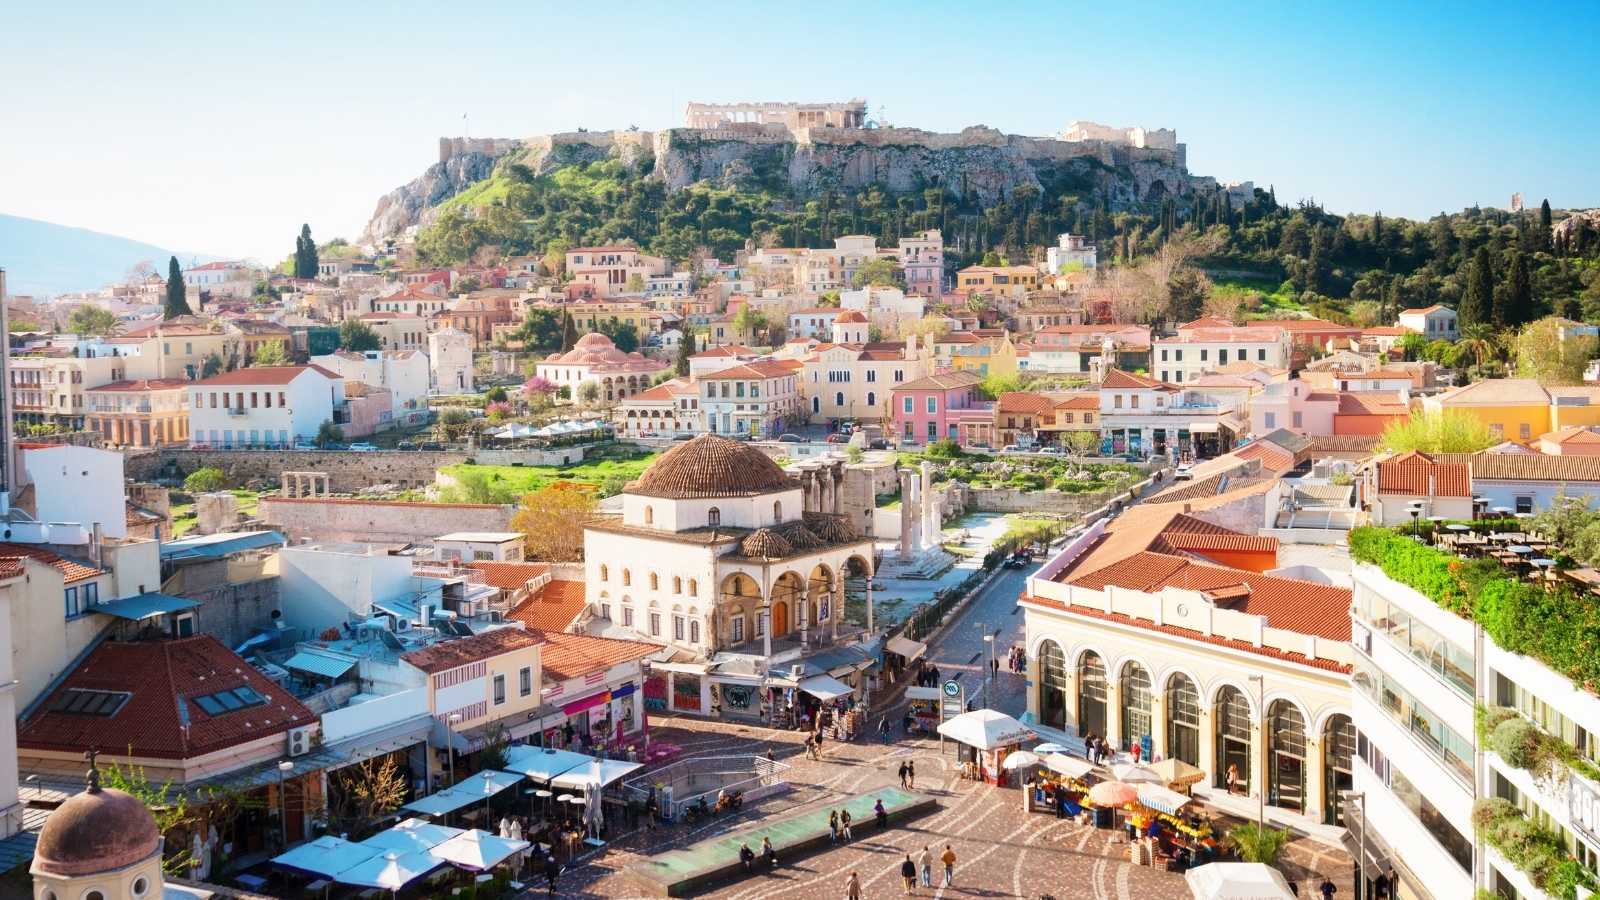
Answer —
997 279
986 356
1521 409
179 348
476 682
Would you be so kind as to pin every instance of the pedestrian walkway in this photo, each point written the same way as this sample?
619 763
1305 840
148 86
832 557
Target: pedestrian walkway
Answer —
1246 808
678 872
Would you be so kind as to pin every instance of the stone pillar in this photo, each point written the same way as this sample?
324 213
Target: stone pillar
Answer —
838 489
766 628
871 620
836 607
929 532
1208 746
1314 801
1158 722
1113 733
906 514
805 615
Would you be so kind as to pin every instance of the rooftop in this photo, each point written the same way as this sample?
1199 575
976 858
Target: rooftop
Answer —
447 655
265 375
576 655
712 466
553 609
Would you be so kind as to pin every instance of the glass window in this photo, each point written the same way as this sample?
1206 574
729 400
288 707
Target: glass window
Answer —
694 631
627 616
72 602
1443 830
677 628
655 624
499 689
525 681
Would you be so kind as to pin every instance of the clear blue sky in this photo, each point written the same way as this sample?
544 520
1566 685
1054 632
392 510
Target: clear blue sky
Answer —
220 127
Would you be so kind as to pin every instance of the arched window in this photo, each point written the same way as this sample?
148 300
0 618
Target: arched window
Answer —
872 399
1286 756
627 578
694 588
677 585
1338 748
1052 685
1232 716
1136 706
816 404
777 510
838 398
655 583
1091 694
1183 720
605 574
713 517
649 515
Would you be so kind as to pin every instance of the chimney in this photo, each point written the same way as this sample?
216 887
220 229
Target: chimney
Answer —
96 537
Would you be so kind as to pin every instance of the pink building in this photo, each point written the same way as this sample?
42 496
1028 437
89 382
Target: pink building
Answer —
935 407
1295 406
371 409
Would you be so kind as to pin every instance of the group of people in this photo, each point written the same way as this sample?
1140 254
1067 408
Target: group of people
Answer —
908 775
909 870
928 676
1097 750
769 856
1017 661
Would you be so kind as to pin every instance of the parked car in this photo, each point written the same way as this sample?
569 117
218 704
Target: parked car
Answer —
405 445
1184 472
363 447
791 439
683 437
433 446
1011 448
879 444
1053 450
838 438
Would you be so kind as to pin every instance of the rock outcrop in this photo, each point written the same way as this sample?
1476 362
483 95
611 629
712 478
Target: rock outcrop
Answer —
411 204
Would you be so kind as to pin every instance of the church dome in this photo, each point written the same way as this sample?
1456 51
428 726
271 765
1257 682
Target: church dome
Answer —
594 340
850 315
712 466
99 830
763 543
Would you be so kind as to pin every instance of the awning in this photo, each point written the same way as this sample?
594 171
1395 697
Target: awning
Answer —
216 546
325 664
911 650
542 764
144 606
826 687
411 836
475 788
391 871
680 668
985 729
918 692
326 856
477 851
611 770
1203 427
1070 766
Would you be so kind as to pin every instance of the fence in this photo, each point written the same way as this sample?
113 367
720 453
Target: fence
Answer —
688 781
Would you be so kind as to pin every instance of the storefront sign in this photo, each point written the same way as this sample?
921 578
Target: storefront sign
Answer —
952 701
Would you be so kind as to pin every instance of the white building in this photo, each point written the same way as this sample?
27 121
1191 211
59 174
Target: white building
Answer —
921 258
1436 323
760 399
669 409
450 361
596 360
1070 250
266 406
812 322
884 304
221 279
403 372
1196 351
1144 416
480 546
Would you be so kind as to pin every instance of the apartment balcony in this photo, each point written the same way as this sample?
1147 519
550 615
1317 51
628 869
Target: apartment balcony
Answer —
237 411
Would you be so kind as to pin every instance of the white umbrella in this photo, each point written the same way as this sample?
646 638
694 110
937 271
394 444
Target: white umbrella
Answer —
477 851
985 729
1237 881
1021 759
1128 773
1049 747
391 871
1070 766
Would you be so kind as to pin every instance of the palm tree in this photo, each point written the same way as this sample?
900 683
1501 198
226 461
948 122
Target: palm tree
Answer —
1479 341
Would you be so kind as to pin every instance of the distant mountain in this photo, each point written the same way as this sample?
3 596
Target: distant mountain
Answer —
43 259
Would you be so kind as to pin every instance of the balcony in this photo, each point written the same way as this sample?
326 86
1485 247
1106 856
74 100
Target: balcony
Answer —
237 411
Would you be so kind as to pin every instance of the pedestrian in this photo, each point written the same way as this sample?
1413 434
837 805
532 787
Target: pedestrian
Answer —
1088 748
1233 778
908 875
948 857
1136 750
1061 803
844 824
994 665
1388 884
833 826
902 776
552 872
925 863
852 887
911 774
747 856
769 755
768 855
1327 888
652 809
881 814
883 728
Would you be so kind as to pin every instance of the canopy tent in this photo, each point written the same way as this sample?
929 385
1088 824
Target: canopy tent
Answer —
411 836
1130 773
1161 799
1020 760
911 650
1176 771
477 851
985 729
1070 766
472 789
542 763
607 772
391 872
1049 747
1237 881
825 687
325 857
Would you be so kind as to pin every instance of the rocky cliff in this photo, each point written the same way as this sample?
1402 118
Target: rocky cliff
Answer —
989 164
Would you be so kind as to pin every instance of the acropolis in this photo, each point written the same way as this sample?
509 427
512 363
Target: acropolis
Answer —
793 116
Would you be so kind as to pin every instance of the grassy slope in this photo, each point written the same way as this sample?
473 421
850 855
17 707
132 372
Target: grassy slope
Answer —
530 478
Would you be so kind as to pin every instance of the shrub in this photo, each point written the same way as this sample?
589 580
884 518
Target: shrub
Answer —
204 481
1412 564
1518 742
1262 845
1539 853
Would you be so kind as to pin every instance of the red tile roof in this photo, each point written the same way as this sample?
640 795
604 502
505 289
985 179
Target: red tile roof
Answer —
161 719
1359 403
944 381
554 608
1082 400
143 384
576 655
1117 378
71 570
447 655
1420 475
1273 458
1026 402
265 375
759 369
509 576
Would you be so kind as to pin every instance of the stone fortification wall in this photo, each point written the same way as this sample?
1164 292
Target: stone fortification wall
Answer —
457 146
377 521
347 471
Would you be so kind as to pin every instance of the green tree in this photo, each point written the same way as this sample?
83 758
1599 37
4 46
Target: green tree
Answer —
1187 291
569 331
357 336
90 320
1445 431
751 321
1545 227
328 434
177 302
680 366
271 353
589 393
1477 302
541 329
496 394
879 272
1517 305
1547 352
210 366
204 481
625 336
305 254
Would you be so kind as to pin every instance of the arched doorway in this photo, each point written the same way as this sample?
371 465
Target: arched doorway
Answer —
1183 719
819 595
780 618
1338 748
739 602
1052 685
788 592
1091 694
1232 713
1137 706
1286 756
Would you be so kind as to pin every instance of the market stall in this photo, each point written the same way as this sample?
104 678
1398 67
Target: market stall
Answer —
924 708
1238 881
983 738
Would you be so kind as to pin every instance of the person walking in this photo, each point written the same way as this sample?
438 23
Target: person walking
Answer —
902 775
768 855
852 887
552 872
844 824
883 728
911 774
881 814
948 857
908 875
833 826
1136 751
925 863
1233 778
1327 888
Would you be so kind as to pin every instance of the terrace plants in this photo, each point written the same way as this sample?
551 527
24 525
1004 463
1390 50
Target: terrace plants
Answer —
1538 852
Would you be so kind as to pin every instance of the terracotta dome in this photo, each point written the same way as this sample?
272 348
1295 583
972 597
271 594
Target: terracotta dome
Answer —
800 537
99 830
594 340
831 528
712 466
764 543
850 315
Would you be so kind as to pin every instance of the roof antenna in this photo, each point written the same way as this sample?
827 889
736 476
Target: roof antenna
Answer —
92 777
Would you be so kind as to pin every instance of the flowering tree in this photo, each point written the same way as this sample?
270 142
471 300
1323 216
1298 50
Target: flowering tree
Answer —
537 387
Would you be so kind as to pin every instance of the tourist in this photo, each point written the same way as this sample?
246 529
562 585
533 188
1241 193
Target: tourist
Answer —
883 728
902 776
552 872
844 823
769 755
881 814
652 810
768 855
948 857
1233 778
925 863
852 887
908 875
911 774
833 826
1327 888
1385 885
747 856
1136 751
994 665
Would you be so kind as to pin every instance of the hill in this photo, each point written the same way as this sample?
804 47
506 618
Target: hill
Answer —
43 259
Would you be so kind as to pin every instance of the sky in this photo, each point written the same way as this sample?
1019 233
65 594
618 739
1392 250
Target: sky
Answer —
219 128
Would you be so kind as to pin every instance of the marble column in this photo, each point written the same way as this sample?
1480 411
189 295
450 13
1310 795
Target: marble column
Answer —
906 514
805 616
838 489
871 621
765 613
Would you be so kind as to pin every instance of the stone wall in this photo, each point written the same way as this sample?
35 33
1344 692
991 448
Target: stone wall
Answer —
377 521
231 613
349 471
1047 502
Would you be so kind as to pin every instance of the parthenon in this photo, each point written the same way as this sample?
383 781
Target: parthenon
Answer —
850 114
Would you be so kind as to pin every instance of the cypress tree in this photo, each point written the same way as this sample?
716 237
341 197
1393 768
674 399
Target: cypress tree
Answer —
305 254
569 331
1477 303
1518 295
1544 224
685 350
177 303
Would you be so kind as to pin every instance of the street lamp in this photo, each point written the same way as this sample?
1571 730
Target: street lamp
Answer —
284 768
988 638
450 745
1266 760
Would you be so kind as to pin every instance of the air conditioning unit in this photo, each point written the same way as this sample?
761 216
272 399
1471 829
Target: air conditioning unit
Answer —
300 740
797 670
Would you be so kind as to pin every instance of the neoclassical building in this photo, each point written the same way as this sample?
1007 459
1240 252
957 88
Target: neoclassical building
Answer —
739 568
595 358
1219 665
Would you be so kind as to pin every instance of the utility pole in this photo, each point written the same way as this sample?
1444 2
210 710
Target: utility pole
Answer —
1266 756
